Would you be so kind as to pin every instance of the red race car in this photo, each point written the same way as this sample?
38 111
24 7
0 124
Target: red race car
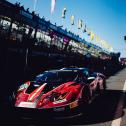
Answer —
58 93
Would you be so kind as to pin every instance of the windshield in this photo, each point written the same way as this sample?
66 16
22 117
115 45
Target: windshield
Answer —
56 76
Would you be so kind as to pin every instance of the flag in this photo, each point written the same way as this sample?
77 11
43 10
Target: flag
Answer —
80 23
92 35
35 2
84 30
64 12
53 4
105 44
72 19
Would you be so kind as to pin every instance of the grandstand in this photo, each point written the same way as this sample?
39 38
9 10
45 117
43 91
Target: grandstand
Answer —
17 22
31 43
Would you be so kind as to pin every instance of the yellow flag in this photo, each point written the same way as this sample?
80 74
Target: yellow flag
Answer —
72 19
92 35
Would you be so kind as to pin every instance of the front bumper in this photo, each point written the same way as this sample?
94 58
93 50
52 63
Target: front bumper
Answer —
55 112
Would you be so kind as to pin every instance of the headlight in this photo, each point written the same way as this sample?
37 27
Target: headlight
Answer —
23 86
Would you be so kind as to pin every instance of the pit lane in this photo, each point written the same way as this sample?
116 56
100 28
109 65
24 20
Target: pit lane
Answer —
107 110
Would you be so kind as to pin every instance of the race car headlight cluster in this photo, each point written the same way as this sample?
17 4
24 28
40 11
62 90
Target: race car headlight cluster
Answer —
23 86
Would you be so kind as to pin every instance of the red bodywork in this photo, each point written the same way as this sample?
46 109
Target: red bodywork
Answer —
61 95
69 93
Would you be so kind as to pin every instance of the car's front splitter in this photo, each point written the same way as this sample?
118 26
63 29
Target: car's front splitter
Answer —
62 112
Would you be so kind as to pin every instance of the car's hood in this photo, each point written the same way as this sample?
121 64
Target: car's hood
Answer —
42 97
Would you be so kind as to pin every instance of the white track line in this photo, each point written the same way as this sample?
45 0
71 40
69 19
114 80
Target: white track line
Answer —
117 122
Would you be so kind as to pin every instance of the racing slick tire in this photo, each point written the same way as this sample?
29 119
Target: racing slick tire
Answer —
100 90
86 94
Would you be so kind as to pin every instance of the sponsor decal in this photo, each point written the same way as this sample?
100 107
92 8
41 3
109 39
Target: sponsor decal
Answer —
73 104
59 101
58 109
27 105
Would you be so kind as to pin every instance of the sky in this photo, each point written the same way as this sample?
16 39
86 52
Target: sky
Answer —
106 18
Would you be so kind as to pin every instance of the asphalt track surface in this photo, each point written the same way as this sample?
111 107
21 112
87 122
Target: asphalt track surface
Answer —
107 110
